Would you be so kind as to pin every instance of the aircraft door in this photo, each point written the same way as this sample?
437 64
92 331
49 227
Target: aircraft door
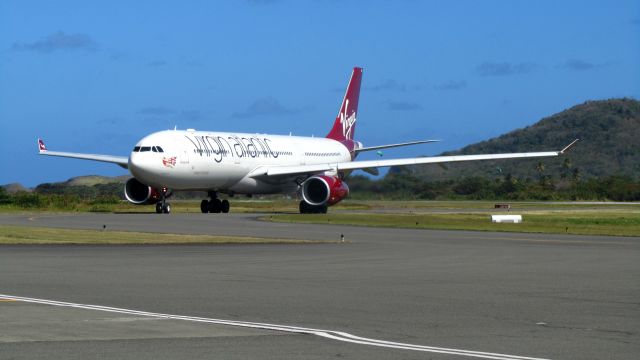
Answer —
301 157
184 159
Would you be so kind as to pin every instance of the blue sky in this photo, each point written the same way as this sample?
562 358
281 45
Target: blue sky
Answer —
96 77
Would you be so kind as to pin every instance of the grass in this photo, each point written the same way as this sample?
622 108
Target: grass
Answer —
418 205
183 206
559 222
243 205
539 217
23 235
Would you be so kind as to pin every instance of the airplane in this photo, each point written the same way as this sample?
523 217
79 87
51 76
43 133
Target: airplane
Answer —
249 164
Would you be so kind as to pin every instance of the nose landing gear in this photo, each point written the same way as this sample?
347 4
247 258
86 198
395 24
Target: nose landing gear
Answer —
163 207
214 205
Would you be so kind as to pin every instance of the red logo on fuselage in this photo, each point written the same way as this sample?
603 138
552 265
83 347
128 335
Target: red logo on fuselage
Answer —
169 161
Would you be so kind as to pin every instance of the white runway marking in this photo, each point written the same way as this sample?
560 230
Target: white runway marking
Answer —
329 334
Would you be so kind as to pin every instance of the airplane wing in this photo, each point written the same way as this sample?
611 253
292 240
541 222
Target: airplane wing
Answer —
121 161
369 148
357 165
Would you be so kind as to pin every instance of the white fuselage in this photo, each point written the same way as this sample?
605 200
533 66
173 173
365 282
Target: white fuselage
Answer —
199 160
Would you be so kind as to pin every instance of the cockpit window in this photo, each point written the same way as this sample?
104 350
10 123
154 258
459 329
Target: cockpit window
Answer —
148 148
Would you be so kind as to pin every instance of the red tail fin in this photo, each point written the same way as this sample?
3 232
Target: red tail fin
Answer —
345 125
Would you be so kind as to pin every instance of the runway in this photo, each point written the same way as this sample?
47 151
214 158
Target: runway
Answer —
539 296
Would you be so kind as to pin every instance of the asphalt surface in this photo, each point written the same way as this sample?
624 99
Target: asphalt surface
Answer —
542 296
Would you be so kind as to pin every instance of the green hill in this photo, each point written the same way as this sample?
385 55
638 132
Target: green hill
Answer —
609 131
90 180
85 186
14 188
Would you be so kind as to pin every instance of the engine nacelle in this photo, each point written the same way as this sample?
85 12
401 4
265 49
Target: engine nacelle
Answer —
322 189
139 193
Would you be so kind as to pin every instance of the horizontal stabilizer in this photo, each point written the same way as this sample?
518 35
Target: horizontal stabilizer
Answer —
372 171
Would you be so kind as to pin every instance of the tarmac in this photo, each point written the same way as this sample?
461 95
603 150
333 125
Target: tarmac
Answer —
383 294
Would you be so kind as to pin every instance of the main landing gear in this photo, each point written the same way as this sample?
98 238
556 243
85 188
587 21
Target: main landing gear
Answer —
214 205
306 208
163 207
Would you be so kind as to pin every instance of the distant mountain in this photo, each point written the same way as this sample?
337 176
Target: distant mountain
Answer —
74 182
609 131
91 180
85 186
14 188
96 185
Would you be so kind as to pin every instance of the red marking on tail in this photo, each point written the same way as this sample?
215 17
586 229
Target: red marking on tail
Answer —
344 126
41 146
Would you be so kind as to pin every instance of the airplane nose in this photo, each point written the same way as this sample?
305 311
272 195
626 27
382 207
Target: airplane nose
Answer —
141 166
134 162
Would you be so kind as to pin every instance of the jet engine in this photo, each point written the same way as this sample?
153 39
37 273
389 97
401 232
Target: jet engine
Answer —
324 190
139 193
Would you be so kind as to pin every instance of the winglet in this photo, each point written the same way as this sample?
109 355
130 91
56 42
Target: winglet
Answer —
41 147
568 146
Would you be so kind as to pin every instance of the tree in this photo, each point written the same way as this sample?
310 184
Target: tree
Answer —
576 175
4 196
478 186
566 168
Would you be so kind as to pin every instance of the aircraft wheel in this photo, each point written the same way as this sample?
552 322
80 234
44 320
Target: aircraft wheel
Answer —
304 208
166 208
215 206
159 208
224 206
204 206
322 209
